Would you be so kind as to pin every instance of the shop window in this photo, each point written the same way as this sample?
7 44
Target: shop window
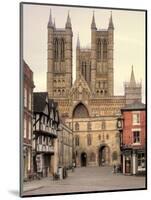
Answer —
141 160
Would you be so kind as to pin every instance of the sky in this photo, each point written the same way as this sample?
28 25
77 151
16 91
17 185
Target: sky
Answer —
129 40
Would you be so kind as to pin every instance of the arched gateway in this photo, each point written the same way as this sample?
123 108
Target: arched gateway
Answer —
104 155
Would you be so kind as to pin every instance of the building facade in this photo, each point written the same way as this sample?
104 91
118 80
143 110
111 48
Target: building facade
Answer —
133 138
89 105
28 86
65 146
45 125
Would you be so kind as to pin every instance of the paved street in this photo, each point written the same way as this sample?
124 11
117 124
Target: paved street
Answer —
85 179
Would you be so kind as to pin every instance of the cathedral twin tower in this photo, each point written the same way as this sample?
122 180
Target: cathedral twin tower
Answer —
94 64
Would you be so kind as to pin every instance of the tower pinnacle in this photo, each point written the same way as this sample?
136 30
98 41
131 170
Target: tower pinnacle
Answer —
50 24
93 25
111 25
78 42
132 79
68 22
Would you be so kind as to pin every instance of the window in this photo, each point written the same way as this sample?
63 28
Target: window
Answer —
55 49
62 49
25 128
29 100
136 137
47 140
136 118
107 136
89 139
76 140
29 130
104 49
25 97
99 46
40 139
29 160
141 160
76 126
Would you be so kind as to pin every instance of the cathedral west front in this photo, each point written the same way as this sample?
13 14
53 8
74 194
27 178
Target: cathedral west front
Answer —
88 106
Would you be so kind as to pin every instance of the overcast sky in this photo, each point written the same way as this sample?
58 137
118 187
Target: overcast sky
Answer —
129 40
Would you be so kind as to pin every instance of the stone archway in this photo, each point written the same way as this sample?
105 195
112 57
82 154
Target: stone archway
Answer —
83 159
104 155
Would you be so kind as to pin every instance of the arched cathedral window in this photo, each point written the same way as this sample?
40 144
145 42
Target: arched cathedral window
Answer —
104 49
62 49
56 49
83 70
80 111
99 49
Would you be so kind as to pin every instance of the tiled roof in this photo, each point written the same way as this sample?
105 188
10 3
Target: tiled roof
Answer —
135 106
39 101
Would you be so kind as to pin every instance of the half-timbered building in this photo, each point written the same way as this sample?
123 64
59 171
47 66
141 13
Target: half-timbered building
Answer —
45 124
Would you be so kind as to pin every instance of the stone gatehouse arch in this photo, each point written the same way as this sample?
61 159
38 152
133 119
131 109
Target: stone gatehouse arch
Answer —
104 155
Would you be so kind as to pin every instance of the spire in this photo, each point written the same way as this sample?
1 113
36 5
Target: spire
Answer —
50 24
54 23
111 25
93 25
78 42
68 22
132 80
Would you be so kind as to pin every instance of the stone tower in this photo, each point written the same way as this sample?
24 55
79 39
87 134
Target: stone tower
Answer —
83 62
102 42
133 90
59 74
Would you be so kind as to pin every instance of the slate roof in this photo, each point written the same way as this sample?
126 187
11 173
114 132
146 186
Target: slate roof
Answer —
39 101
135 106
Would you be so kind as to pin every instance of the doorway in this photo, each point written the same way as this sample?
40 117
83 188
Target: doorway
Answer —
83 159
104 156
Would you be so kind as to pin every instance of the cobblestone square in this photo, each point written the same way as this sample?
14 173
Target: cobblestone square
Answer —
83 180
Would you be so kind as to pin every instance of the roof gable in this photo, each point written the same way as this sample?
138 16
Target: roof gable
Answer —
80 89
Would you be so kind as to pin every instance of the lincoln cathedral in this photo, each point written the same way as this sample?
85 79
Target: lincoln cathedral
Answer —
88 106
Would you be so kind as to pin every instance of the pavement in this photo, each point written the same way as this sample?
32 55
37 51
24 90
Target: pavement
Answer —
83 180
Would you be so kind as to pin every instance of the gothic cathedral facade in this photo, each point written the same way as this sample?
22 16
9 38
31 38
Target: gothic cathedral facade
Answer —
88 106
